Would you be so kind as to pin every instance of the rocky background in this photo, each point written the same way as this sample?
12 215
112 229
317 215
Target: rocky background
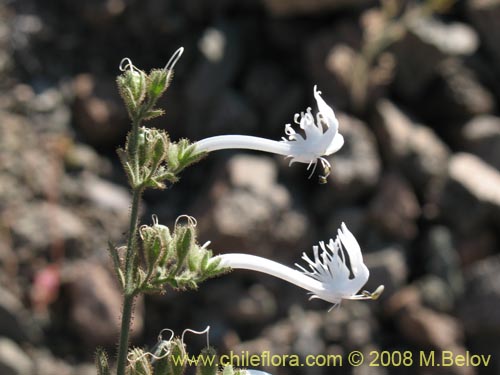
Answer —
417 88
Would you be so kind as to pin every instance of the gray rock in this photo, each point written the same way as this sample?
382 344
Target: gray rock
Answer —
300 7
41 224
477 245
412 148
14 319
98 112
387 267
13 361
207 90
257 305
456 95
395 208
481 137
481 309
440 260
329 54
104 194
274 94
355 168
46 364
83 157
95 304
471 198
248 211
427 42
431 329
229 110
451 39
484 16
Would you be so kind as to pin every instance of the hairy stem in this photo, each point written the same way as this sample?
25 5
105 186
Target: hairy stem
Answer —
128 303
129 291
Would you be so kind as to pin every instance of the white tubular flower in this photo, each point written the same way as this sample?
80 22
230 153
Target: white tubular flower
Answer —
321 138
337 273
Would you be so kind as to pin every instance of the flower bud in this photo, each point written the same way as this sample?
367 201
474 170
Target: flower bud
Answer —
101 362
158 81
132 85
160 146
185 240
178 351
207 364
138 363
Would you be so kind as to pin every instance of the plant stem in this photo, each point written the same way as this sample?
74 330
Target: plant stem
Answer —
128 303
129 291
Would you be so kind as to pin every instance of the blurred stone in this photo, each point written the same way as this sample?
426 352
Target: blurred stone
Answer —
407 297
97 13
395 208
355 167
41 224
13 361
355 217
430 329
476 245
95 304
257 305
456 95
329 55
274 94
387 267
247 210
84 157
231 109
481 309
208 94
481 137
471 198
413 148
307 326
359 333
484 16
451 39
14 319
442 284
436 293
301 7
46 364
104 194
424 46
98 112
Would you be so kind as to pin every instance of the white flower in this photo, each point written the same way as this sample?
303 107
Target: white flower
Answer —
337 273
321 138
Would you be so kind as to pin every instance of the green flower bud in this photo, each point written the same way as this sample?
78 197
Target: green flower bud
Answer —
132 85
142 146
101 362
185 240
160 147
138 363
207 363
158 82
178 357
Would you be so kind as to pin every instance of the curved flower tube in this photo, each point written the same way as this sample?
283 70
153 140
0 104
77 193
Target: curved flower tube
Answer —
321 138
329 277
